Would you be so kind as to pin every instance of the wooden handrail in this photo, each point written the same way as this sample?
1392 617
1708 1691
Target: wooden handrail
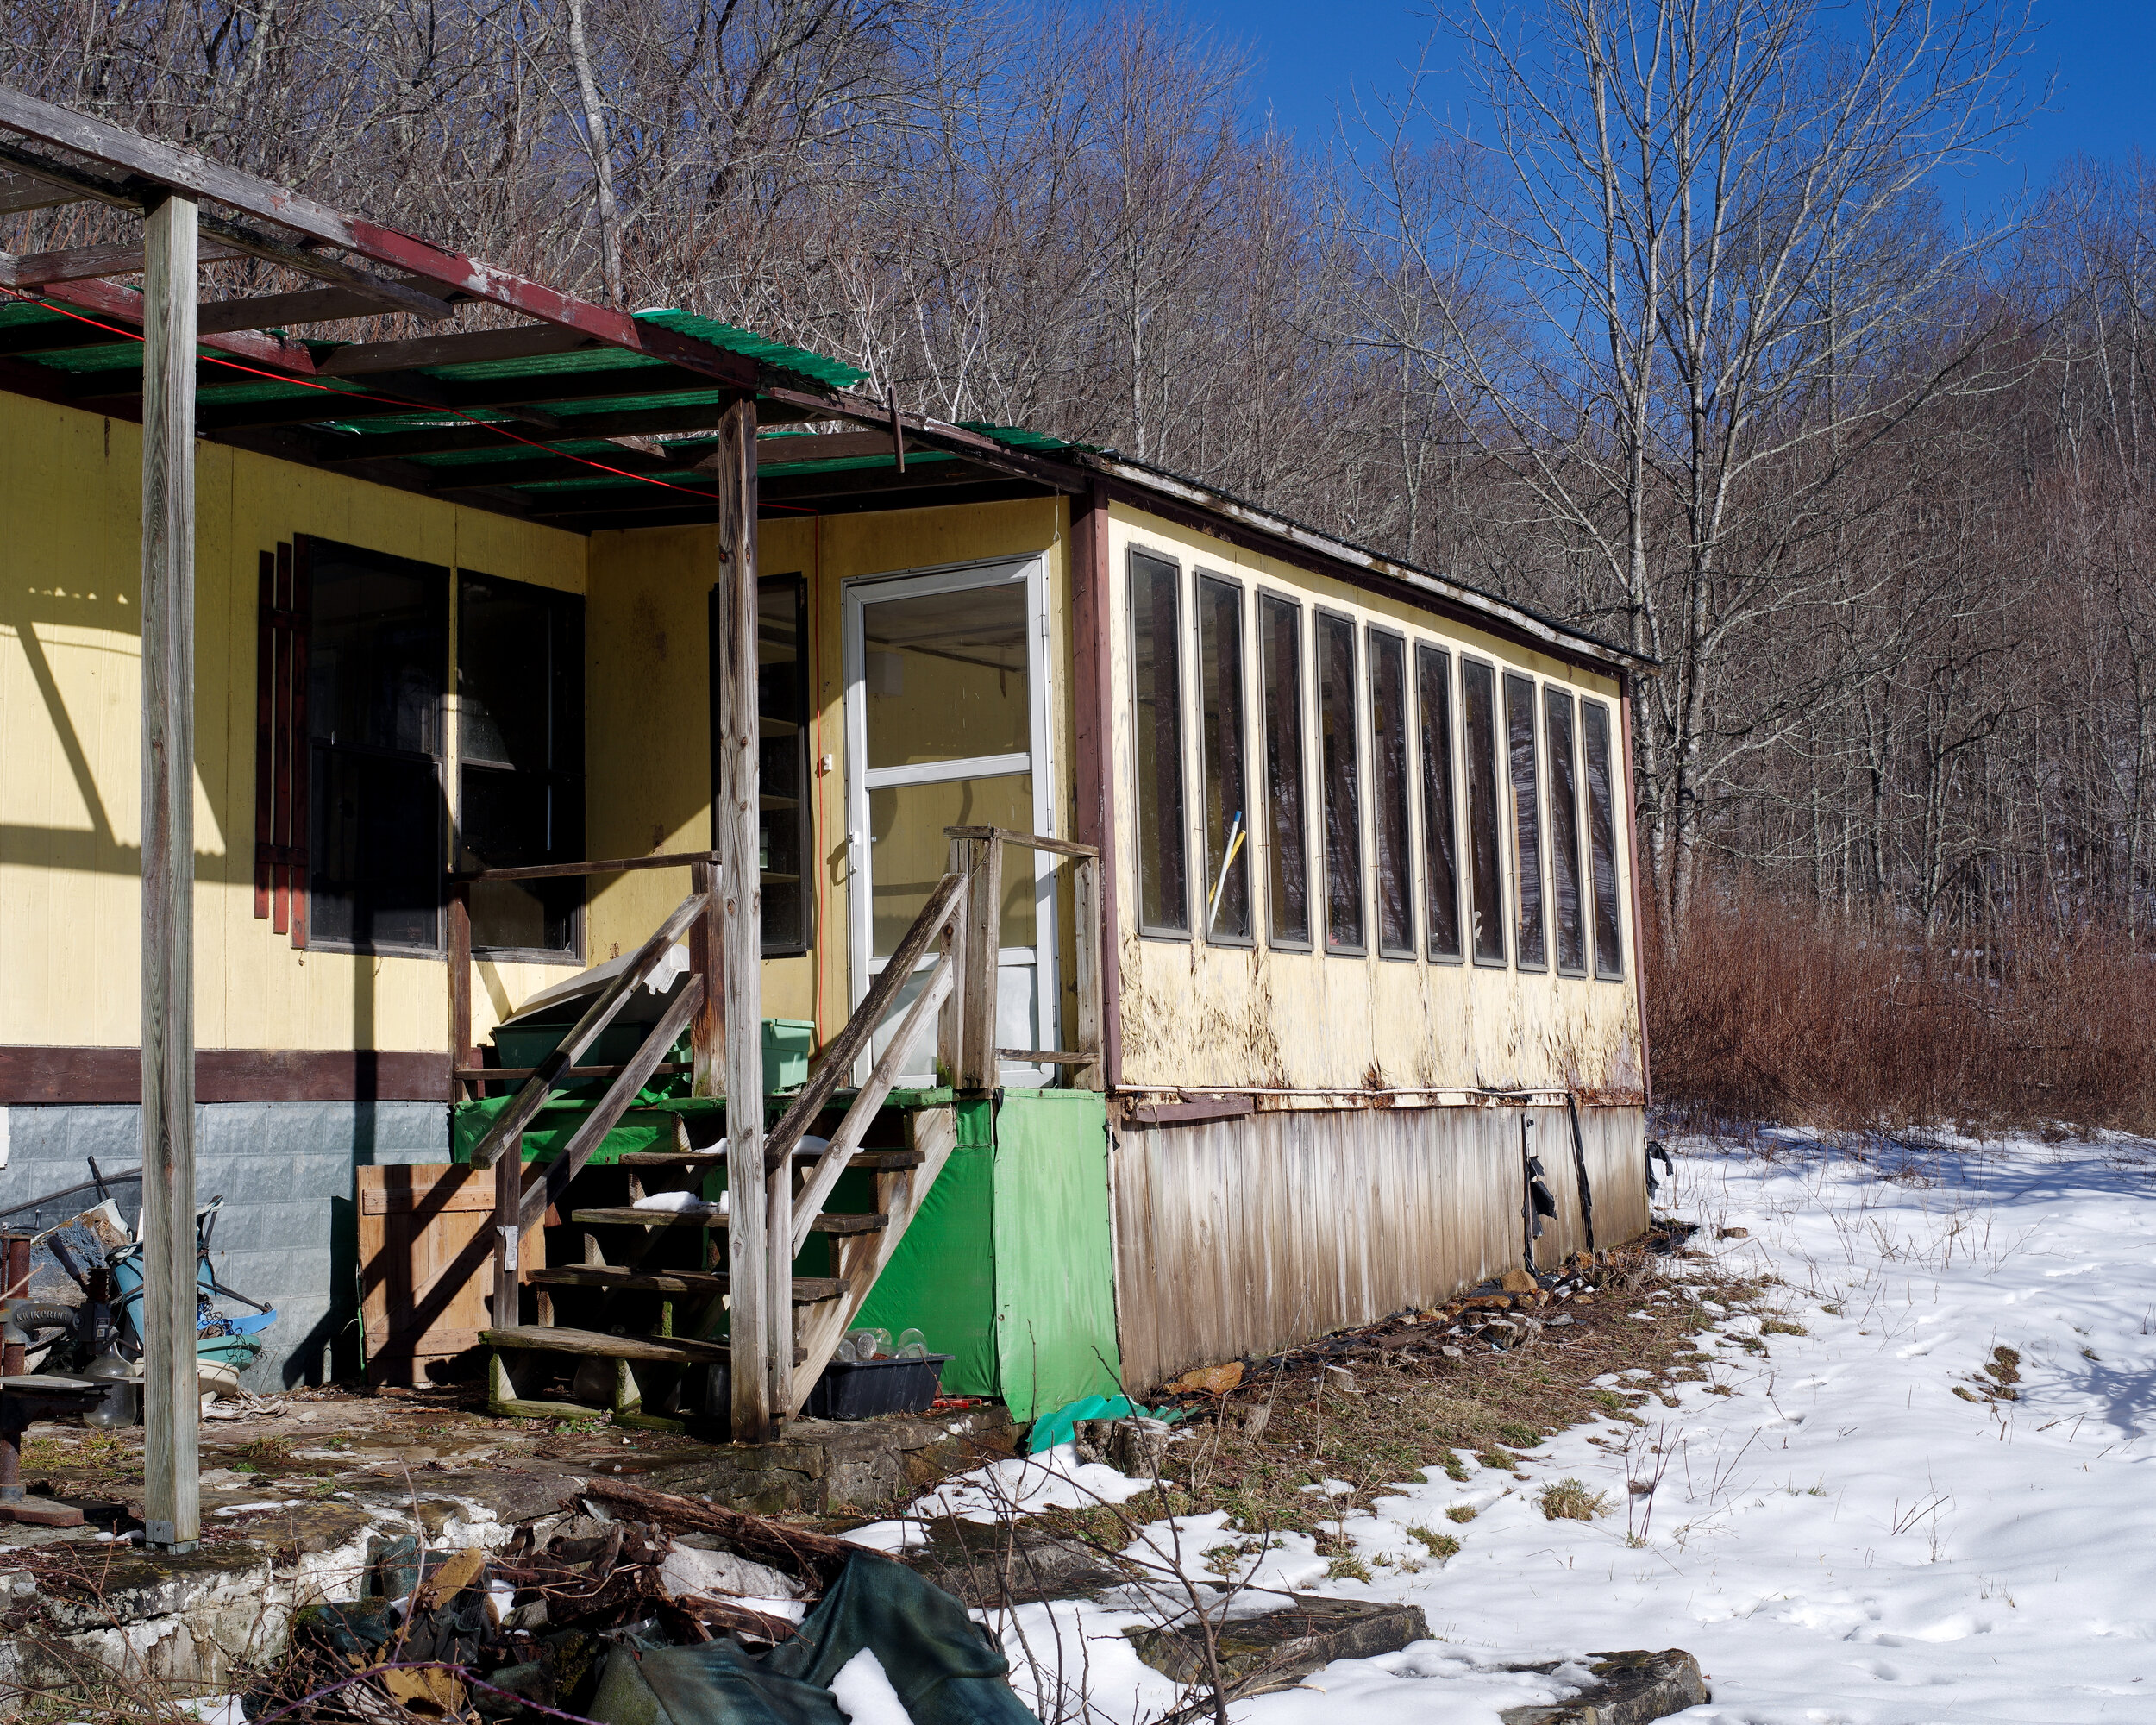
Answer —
840 1053
1031 841
597 1017
563 871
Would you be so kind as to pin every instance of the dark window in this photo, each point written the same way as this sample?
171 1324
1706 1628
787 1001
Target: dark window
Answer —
785 853
1336 728
1440 842
379 635
1280 648
1566 911
520 760
1527 806
1478 704
1220 724
1388 786
1602 840
1163 849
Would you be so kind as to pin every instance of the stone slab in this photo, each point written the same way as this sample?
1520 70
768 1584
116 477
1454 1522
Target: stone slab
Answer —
988 1566
1274 1648
1630 1688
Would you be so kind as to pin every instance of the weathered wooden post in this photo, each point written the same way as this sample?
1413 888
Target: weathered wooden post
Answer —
759 1222
979 1061
171 1489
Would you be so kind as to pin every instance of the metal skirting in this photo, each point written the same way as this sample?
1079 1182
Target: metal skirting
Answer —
1242 1236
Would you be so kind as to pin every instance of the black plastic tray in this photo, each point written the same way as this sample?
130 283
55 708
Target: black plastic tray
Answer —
861 1389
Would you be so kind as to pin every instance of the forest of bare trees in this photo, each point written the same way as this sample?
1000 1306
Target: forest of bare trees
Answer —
1684 336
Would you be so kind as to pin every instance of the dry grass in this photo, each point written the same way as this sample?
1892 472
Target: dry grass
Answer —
1762 1010
1570 1500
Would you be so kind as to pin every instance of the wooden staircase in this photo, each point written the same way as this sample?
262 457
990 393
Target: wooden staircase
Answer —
642 1307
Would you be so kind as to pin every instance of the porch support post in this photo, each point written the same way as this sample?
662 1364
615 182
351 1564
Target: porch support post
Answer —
171 1488
761 1218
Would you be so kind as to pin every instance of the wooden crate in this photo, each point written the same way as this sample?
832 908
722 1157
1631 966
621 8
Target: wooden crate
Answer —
427 1265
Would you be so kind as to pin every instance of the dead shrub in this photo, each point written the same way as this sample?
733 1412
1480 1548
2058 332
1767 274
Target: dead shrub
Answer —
1759 1009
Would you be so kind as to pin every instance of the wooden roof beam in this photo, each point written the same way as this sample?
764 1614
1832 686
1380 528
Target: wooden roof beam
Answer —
22 192
310 305
527 341
86 263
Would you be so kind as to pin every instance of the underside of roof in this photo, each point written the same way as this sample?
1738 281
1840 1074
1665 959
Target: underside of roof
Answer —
511 397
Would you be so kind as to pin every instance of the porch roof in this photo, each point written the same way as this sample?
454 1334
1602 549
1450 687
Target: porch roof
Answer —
498 392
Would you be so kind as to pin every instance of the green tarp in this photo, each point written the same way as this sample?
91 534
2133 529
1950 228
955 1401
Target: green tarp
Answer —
945 1669
1009 1267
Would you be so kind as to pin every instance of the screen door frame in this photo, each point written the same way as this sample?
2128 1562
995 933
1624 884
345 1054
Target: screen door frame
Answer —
856 594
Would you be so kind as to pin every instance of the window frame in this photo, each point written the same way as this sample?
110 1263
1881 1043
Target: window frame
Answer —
766 947
1397 640
308 547
1179 825
1199 578
575 953
1320 617
1501 780
1516 850
1445 654
1301 704
1615 779
1558 696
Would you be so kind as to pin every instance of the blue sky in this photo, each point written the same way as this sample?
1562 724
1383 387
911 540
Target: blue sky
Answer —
2103 57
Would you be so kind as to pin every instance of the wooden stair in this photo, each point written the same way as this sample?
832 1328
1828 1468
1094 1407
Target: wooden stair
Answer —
808 1289
827 1222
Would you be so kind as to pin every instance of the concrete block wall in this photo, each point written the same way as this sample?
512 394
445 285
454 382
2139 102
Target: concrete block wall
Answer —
287 1234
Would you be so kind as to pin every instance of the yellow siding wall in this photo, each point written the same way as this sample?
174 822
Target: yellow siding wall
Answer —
649 714
69 733
1195 1015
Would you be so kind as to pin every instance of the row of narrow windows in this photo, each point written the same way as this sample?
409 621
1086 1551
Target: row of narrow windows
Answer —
1453 755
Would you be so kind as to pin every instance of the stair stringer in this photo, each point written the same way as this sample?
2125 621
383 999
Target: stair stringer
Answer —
862 1257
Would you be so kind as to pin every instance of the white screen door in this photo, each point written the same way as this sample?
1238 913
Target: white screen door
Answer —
947 706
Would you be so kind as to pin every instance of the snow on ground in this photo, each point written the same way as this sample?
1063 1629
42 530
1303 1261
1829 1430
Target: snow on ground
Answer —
1841 1538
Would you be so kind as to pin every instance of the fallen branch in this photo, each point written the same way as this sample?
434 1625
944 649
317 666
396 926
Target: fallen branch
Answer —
816 1557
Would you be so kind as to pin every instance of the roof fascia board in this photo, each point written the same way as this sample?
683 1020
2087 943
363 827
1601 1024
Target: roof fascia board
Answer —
1192 505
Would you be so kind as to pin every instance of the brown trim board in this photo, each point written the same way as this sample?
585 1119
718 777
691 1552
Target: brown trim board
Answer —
1094 756
31 1076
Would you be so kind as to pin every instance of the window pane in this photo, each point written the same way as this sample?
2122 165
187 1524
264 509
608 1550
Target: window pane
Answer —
1287 870
1478 689
378 651
1565 909
380 636
1602 838
782 762
1440 858
945 675
520 746
1527 803
1388 780
1342 788
1156 677
376 874
910 854
1221 726
520 676
509 818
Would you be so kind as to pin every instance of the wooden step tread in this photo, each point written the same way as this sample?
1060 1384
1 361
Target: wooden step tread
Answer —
808 1289
875 1161
597 1344
830 1222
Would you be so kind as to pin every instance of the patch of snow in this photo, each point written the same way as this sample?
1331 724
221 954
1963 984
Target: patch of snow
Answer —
1840 1537
864 1694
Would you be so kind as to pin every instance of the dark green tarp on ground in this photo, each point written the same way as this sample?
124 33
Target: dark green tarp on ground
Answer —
941 1663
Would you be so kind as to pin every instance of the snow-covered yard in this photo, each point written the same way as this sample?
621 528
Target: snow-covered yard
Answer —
1839 1537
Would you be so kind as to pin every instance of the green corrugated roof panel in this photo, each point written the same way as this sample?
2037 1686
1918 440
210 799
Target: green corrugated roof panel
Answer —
507 450
852 464
761 348
1018 437
677 477
581 363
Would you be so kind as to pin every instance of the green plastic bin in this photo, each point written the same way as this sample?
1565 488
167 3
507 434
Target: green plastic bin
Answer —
787 1044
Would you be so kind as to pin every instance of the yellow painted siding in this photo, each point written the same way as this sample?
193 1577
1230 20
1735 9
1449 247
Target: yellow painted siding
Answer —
648 712
70 737
1197 1015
